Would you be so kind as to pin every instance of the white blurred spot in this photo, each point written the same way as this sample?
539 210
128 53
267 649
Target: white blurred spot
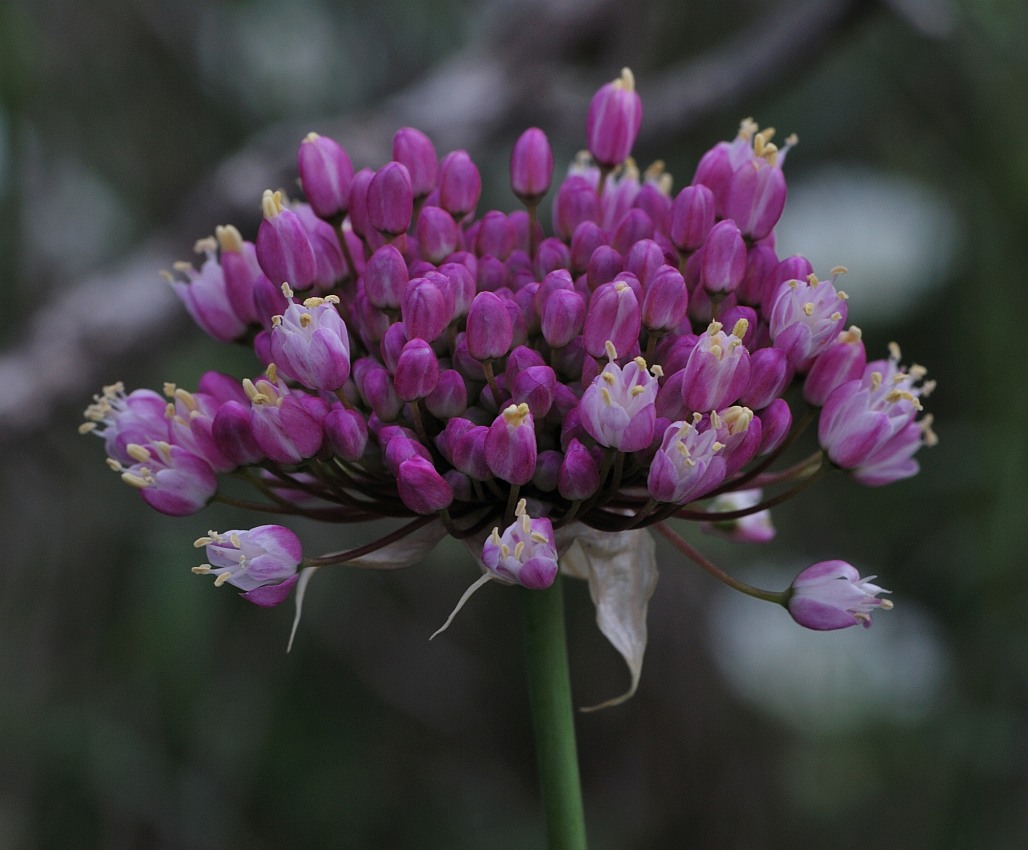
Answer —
823 683
896 236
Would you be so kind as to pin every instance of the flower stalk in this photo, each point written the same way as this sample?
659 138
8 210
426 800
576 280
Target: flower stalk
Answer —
549 693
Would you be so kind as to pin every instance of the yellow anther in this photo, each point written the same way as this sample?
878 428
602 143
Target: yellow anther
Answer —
714 328
306 319
539 537
221 579
741 326
876 380
917 372
835 316
505 550
115 465
715 419
137 452
886 605
657 371
200 542
608 377
717 446
138 481
229 238
207 245
842 296
747 128
621 286
272 373
929 436
683 450
636 391
519 549
812 279
276 321
696 417
526 524
310 137
287 290
837 270
271 203
852 335
182 266
86 427
605 395
522 508
201 570
626 81
495 536
715 349
612 352
808 308
894 351
640 362
187 398
311 303
516 414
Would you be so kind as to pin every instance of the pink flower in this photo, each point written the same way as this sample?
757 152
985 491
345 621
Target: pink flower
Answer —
261 561
525 553
831 595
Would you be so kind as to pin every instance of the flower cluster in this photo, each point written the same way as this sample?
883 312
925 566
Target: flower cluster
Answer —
514 386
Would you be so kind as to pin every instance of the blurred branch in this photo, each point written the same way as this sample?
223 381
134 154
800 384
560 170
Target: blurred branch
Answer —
509 78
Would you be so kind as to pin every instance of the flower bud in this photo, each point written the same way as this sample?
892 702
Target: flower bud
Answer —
613 315
425 309
495 235
206 298
770 374
724 259
421 487
325 174
844 360
391 199
415 150
359 202
232 435
643 259
604 265
490 330
579 476
692 217
666 300
576 201
535 386
775 424
169 478
437 233
417 370
634 226
460 184
615 115
510 447
531 166
449 398
283 249
347 433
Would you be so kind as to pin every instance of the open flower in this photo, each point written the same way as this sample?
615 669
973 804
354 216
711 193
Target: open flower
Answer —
831 595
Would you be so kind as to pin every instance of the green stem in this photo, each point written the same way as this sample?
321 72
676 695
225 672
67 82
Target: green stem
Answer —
549 692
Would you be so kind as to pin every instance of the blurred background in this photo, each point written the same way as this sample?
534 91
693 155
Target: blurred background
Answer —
142 708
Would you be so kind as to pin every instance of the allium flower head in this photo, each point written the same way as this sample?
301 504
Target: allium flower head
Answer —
449 367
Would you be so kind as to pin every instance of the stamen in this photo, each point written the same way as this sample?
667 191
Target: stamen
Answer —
612 352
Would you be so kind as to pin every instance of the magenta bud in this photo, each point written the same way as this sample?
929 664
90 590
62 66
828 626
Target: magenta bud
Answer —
421 487
417 370
510 446
579 476
392 344
519 359
347 433
551 255
666 300
635 225
576 201
449 398
613 316
492 274
325 174
284 428
588 236
655 203
604 265
615 115
283 249
715 171
756 198
437 233
425 309
692 217
760 261
531 166
770 374
460 184
547 468
775 424
535 386
376 385
358 208
206 298
495 235
724 259
842 361
467 448
460 286
490 331
415 150
232 436
328 256
643 259
831 595
391 199
242 273
460 484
